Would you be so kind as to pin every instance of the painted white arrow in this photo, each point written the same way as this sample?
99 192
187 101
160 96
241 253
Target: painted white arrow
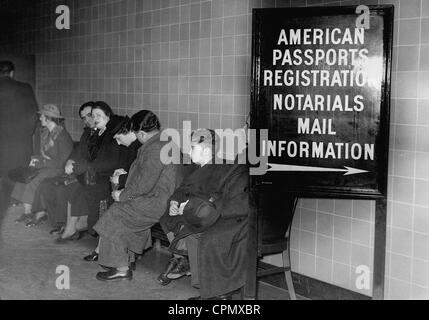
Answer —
287 167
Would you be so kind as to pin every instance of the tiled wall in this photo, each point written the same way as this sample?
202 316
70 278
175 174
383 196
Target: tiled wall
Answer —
190 60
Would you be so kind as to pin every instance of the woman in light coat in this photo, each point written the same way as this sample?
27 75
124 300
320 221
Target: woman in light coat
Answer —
55 148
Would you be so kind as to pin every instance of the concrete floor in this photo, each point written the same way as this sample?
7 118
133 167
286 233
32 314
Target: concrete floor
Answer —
29 259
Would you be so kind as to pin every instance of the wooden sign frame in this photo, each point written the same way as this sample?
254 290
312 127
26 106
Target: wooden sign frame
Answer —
292 181
326 184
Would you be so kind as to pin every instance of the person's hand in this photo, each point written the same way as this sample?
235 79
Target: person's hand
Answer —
114 179
115 176
69 167
119 172
116 194
182 207
33 162
174 208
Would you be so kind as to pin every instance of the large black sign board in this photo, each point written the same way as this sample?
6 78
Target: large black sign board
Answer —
321 86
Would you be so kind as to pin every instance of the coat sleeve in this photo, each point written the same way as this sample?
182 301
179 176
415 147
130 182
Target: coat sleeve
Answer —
30 102
108 160
150 168
234 201
64 146
78 151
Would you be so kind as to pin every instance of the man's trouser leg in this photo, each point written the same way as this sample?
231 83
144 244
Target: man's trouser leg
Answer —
192 246
112 254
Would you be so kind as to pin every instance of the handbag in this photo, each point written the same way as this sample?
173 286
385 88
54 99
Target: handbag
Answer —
64 180
23 174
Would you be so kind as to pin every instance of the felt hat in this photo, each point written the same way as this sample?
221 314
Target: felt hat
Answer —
51 110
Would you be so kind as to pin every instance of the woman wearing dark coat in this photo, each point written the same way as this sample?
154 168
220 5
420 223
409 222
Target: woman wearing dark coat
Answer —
102 159
55 147
217 254
126 137
124 228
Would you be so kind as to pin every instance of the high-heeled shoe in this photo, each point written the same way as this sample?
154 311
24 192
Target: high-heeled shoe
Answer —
24 217
93 256
74 237
34 221
57 231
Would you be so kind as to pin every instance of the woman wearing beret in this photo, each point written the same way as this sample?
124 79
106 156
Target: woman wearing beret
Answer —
55 147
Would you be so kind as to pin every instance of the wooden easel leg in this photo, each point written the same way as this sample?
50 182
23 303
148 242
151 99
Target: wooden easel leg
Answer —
379 249
287 265
250 288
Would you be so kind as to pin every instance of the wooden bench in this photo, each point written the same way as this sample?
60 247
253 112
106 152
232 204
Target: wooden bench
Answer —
158 237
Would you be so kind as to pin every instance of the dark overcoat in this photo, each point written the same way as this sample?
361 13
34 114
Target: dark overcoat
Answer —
142 202
101 158
18 120
221 249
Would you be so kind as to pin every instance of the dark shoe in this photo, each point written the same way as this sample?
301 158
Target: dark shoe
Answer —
114 274
34 221
181 269
74 237
24 217
162 278
91 257
57 231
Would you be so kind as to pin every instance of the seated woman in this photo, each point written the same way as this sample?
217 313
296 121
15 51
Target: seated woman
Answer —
55 147
52 194
216 244
126 137
124 228
97 166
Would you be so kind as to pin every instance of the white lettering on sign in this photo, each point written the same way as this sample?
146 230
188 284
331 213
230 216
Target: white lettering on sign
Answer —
321 36
317 102
318 150
309 126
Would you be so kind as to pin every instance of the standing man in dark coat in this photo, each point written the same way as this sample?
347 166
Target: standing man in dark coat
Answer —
216 246
18 120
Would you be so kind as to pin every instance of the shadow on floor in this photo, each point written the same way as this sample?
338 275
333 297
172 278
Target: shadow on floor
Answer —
32 264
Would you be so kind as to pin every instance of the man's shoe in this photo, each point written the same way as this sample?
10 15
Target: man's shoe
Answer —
93 256
162 278
181 269
114 274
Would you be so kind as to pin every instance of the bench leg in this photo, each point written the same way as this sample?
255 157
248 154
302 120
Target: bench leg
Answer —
288 272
